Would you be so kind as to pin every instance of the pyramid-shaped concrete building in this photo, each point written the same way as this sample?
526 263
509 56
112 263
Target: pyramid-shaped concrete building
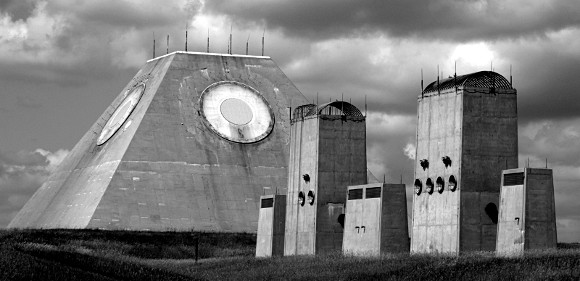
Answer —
190 144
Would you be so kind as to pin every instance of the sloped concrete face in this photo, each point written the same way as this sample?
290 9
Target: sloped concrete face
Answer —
466 135
327 153
527 216
70 196
166 169
376 220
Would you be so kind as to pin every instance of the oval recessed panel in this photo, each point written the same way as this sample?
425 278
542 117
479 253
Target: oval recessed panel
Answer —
121 114
236 112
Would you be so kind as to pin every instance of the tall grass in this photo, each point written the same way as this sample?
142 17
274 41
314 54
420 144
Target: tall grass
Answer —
137 255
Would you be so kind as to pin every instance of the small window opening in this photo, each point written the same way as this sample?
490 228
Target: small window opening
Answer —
491 211
374 192
418 186
429 184
440 184
306 178
355 194
267 203
452 183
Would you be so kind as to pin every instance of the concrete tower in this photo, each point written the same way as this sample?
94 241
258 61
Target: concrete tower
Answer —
189 144
527 213
327 154
467 133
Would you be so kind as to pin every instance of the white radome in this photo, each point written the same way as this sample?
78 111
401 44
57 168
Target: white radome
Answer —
236 112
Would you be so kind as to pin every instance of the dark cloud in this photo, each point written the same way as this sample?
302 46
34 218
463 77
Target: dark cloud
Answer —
547 82
18 9
457 19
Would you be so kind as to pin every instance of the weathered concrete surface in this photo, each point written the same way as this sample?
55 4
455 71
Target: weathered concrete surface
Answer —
475 126
165 169
527 214
373 224
271 224
330 148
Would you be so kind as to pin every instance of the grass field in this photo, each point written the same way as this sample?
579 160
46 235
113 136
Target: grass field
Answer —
128 255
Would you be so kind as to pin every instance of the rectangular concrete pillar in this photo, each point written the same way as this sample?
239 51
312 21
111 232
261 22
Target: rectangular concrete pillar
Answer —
327 154
527 215
376 220
271 224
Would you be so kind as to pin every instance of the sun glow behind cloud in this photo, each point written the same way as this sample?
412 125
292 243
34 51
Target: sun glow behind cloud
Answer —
473 55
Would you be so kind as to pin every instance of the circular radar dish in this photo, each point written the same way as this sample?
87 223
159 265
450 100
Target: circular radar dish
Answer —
236 112
121 114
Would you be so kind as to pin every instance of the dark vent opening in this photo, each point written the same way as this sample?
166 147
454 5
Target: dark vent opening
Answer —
311 197
440 184
429 186
301 198
267 202
491 211
374 192
340 220
418 186
452 183
354 194
513 179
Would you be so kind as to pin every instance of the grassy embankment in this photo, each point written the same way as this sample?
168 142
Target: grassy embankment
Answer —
127 255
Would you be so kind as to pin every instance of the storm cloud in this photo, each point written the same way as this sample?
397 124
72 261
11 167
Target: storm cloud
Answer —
458 20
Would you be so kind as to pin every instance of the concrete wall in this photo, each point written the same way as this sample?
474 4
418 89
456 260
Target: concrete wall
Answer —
271 225
301 219
477 129
332 151
341 162
376 225
435 225
540 218
527 217
394 224
490 145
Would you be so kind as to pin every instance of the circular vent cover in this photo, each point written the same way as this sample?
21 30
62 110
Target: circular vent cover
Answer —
121 114
236 112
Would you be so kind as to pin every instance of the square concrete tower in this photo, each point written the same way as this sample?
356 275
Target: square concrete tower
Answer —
271 223
527 213
467 133
327 154
376 220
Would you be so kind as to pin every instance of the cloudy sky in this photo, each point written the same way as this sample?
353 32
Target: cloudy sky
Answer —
62 62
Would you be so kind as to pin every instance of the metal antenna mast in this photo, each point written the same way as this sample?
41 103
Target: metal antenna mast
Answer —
263 34
247 44
230 47
421 82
